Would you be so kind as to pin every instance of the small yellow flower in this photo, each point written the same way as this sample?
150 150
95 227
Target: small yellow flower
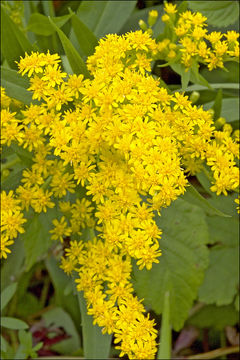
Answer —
60 230
170 8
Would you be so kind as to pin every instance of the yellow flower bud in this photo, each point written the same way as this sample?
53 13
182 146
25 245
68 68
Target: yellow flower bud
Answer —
211 112
165 18
220 122
152 17
142 25
227 128
236 135
194 96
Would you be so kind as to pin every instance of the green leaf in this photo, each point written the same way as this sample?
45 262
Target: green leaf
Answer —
181 266
25 349
12 323
221 280
40 24
14 178
7 294
222 277
87 41
16 86
185 75
105 17
13 41
95 344
230 108
48 8
28 305
236 303
77 64
217 317
36 237
191 75
61 318
196 77
60 281
194 197
220 76
164 351
214 86
4 344
13 267
218 13
142 14
217 106
23 154
205 182
25 338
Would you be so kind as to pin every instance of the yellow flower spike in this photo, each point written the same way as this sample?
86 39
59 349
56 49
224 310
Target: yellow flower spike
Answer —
124 138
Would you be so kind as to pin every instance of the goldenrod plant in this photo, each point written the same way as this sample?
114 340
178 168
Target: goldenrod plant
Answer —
99 156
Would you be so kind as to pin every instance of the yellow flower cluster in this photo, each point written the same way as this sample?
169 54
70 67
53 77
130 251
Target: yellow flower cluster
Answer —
221 155
125 145
192 43
104 276
11 221
5 100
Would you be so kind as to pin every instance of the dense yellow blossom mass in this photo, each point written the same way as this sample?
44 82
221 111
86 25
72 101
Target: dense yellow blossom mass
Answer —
189 40
128 145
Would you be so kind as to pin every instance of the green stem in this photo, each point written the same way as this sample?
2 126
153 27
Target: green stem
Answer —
14 340
223 343
44 291
96 345
215 353
206 172
164 351
47 182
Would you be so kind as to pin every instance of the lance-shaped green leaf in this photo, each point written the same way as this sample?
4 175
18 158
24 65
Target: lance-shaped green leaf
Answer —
16 86
105 17
86 40
77 64
13 267
96 345
194 197
14 42
63 298
4 344
61 318
40 24
181 267
213 86
12 323
230 108
7 294
37 238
